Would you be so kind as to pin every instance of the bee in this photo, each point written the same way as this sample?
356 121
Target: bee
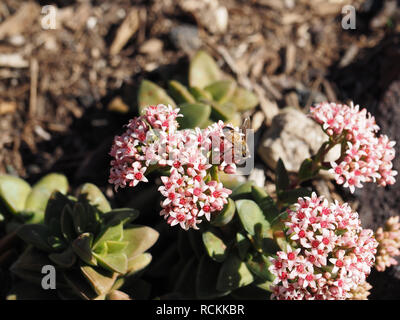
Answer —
238 139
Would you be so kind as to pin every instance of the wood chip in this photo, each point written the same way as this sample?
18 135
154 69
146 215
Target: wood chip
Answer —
7 107
126 30
270 108
13 60
290 58
20 21
33 88
151 46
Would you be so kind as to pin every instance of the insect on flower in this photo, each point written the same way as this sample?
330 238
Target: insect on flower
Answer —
238 138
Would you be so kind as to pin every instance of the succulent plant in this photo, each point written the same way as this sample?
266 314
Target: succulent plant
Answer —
21 202
92 247
210 97
230 256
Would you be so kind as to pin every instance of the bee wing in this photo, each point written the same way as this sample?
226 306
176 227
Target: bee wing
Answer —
246 124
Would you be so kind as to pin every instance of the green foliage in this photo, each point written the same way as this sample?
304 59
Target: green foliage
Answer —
18 200
92 247
210 96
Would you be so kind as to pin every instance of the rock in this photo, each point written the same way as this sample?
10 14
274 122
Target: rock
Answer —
185 37
293 137
258 176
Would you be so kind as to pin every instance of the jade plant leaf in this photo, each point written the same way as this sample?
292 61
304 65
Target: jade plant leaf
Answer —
65 259
194 115
152 94
100 280
180 93
203 70
52 182
36 235
243 245
206 278
138 263
215 246
200 94
259 265
244 99
95 197
222 90
13 192
82 247
233 274
140 239
222 112
251 217
117 262
114 233
242 191
282 177
225 216
265 202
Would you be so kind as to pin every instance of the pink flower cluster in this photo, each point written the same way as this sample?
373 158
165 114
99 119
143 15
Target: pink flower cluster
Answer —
329 255
154 141
365 157
389 244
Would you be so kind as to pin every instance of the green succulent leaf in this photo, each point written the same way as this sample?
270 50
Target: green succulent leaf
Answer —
194 115
244 99
116 246
95 197
140 239
36 203
113 233
116 262
203 70
243 191
65 259
305 171
138 263
282 177
251 216
55 207
233 274
222 112
291 196
225 216
265 202
101 280
243 245
222 90
13 192
180 93
52 182
82 247
215 247
206 278
36 235
200 95
259 265
152 94
122 215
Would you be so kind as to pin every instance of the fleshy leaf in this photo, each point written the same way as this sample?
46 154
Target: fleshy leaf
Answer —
282 177
180 93
233 274
65 259
152 94
251 216
200 95
259 267
222 90
215 247
140 239
114 233
242 191
194 114
244 99
138 263
117 262
95 197
203 70
100 280
52 182
225 216
36 235
265 202
13 192
207 276
82 247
